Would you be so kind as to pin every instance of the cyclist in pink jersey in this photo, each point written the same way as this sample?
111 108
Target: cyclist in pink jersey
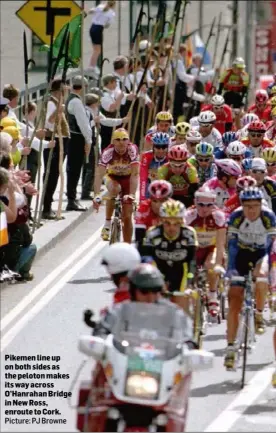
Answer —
224 184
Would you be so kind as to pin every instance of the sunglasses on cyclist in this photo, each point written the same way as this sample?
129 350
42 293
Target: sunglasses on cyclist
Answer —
177 165
145 290
160 146
205 204
217 107
256 134
206 125
164 125
121 139
255 171
203 159
271 164
237 157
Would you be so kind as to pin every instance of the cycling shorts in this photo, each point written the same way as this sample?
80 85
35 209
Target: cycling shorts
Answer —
123 181
203 253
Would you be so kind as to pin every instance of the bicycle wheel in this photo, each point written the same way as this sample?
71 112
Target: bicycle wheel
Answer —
115 235
245 346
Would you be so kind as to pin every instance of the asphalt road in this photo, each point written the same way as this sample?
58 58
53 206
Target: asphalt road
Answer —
45 318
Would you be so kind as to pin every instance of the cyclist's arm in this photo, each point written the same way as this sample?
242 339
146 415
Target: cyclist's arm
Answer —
233 249
134 178
220 245
144 171
100 172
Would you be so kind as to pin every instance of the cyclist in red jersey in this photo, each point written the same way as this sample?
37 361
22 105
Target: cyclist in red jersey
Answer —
163 123
261 107
147 214
256 140
234 202
224 118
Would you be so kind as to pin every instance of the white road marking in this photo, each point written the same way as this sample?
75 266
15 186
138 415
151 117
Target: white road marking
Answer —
42 302
44 284
246 397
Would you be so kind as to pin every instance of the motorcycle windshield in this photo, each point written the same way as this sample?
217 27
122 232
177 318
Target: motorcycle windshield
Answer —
151 330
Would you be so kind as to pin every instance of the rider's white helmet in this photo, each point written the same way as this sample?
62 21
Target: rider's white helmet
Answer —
206 117
217 100
235 148
194 121
248 118
120 257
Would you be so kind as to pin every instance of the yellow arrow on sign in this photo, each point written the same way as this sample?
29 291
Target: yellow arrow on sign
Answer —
45 17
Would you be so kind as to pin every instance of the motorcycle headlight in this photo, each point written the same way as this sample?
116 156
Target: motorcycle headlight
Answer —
142 385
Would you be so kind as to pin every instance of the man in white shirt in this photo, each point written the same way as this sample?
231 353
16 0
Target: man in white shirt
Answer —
80 142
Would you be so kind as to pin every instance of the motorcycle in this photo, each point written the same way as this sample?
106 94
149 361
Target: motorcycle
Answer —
143 373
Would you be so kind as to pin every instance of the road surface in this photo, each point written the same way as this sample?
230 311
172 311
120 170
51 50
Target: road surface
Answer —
44 318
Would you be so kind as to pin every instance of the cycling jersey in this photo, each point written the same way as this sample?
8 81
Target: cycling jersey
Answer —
119 165
206 228
222 194
144 219
269 191
242 133
214 138
264 115
257 150
222 118
174 258
148 171
234 202
232 82
271 131
269 87
154 129
203 174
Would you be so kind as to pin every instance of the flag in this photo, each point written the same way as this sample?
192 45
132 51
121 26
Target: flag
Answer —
4 237
74 42
199 48
189 50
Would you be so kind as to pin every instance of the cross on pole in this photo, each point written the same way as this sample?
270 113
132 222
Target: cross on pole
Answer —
51 14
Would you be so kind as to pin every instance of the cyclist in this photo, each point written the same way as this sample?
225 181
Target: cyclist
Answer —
193 137
271 127
119 162
227 138
163 123
245 122
261 107
224 184
147 214
269 155
237 151
265 183
181 130
234 202
251 230
269 87
203 161
181 174
256 140
152 160
246 165
172 245
119 259
210 134
209 223
234 82
224 119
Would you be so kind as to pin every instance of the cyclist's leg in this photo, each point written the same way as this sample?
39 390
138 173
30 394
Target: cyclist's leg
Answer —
261 288
127 211
213 304
113 189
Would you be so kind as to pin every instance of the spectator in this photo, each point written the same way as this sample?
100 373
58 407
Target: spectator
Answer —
4 109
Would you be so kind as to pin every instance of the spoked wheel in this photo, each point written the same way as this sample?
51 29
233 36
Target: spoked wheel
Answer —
222 306
245 347
115 235
199 320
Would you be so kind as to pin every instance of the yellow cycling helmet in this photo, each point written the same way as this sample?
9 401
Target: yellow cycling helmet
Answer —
182 128
7 121
273 111
120 134
273 91
172 209
269 155
164 116
273 102
13 131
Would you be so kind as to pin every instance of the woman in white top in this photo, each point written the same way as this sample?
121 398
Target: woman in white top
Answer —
102 17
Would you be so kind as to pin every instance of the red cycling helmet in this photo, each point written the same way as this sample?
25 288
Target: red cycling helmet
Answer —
245 182
160 190
178 153
261 96
256 126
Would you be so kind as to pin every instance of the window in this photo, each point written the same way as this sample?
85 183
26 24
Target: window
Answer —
40 57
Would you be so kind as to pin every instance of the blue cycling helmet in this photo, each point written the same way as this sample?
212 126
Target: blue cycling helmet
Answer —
246 164
228 137
161 139
251 193
204 149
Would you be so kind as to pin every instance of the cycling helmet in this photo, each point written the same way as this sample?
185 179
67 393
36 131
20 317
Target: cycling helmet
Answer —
273 102
236 148
247 164
205 191
256 126
193 136
228 167
164 116
182 128
161 139
239 63
178 153
249 118
146 278
245 182
204 149
261 96
172 209
273 91
120 134
228 137
251 193
273 111
269 155
258 164
160 189
194 121
206 117
217 100
120 257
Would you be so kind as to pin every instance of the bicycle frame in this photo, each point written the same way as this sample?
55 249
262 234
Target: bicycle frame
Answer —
116 225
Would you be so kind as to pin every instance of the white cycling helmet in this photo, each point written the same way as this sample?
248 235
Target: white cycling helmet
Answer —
205 192
193 136
194 121
217 100
120 257
235 148
248 118
206 117
229 167
258 164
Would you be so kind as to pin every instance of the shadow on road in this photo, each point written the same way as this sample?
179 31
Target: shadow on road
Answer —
257 367
226 387
91 280
256 408
214 337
